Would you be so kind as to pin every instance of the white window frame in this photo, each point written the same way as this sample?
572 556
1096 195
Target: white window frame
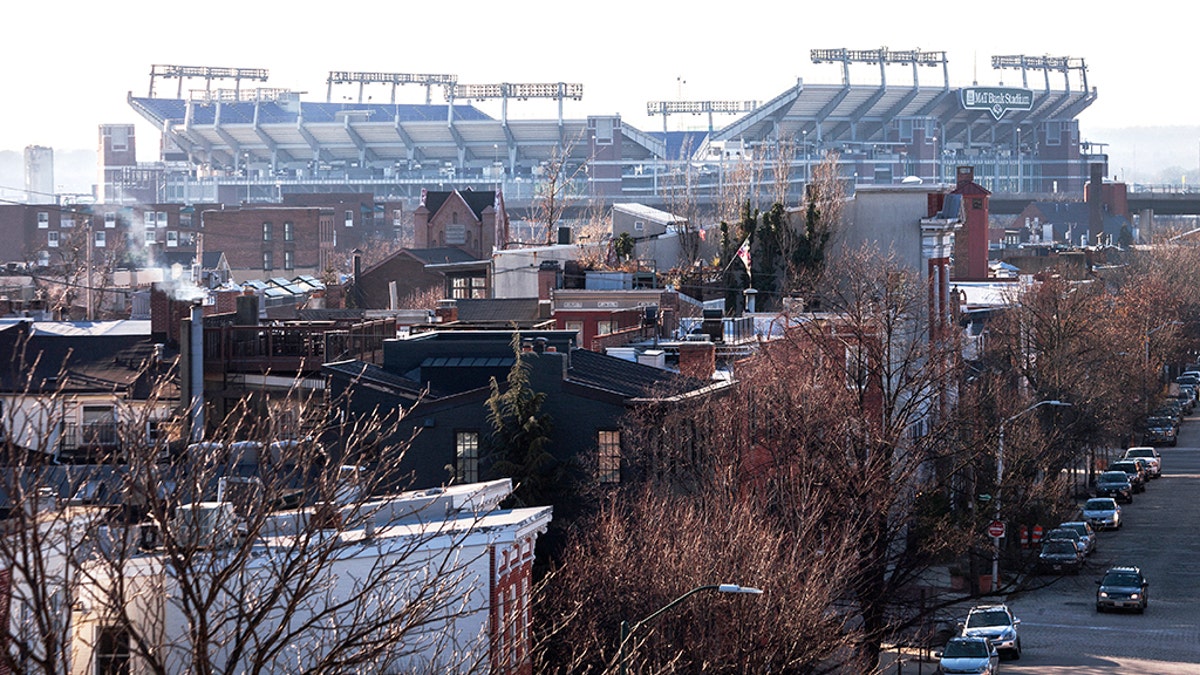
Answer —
608 456
43 220
466 456
110 219
101 239
349 218
52 239
172 239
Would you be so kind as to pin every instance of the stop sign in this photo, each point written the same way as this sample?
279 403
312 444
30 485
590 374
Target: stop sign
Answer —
996 529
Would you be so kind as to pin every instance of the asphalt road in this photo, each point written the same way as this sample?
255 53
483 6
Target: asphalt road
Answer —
1062 633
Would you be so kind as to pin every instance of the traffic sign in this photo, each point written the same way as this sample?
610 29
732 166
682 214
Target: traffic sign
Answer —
996 529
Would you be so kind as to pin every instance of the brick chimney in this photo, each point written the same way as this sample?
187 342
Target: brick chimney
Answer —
447 310
973 238
698 359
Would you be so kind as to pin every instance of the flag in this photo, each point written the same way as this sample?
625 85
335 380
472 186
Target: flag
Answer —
743 254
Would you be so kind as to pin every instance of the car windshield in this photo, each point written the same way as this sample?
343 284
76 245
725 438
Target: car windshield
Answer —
1079 528
1058 547
1121 579
1140 453
1113 477
1127 467
1100 505
1062 533
990 617
965 649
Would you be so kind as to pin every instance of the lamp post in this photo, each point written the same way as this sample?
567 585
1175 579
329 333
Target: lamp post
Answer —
627 630
1000 479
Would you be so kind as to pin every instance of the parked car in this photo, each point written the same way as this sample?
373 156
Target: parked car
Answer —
1122 588
974 655
1137 475
1086 533
1186 401
1171 412
1104 513
1150 455
997 624
1115 484
1159 431
1061 532
1190 377
1189 390
1060 555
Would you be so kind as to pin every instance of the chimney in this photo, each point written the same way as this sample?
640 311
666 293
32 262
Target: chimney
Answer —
196 371
1095 202
964 175
698 359
549 278
359 302
447 310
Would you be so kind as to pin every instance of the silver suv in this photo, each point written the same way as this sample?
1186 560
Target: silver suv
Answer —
996 623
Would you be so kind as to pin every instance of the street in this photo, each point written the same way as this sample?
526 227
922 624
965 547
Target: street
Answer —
1061 631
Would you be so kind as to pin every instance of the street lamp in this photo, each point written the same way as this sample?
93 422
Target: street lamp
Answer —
627 631
1000 479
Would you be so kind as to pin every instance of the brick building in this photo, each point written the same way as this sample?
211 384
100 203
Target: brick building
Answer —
266 241
474 221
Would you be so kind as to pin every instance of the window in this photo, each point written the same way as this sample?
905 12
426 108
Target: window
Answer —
266 232
185 219
66 220
603 327
161 218
172 238
576 326
856 367
43 220
112 651
148 219
52 239
289 260
110 219
349 218
466 457
608 445
638 225
468 287
101 238
150 235
289 232
268 261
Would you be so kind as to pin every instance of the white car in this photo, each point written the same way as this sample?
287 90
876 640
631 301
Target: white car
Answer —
1104 513
1150 454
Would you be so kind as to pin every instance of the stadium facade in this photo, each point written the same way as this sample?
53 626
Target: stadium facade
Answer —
250 144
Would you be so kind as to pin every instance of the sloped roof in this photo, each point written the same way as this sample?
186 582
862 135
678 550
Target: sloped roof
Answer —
439 255
520 310
627 378
477 200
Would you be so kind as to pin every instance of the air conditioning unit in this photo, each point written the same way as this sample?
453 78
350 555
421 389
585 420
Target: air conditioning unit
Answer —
206 525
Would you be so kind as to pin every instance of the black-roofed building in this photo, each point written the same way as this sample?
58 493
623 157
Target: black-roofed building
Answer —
214 267
448 271
77 390
440 381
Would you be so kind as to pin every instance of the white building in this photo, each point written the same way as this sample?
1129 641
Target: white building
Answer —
440 578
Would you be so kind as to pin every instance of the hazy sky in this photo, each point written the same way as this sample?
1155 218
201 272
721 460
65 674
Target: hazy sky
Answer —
67 66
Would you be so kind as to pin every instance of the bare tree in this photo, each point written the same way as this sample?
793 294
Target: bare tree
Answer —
304 563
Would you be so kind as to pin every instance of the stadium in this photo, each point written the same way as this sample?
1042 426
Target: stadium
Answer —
237 140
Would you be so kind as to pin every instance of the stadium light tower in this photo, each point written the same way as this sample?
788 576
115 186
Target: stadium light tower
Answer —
520 91
666 108
394 79
1059 64
882 56
207 73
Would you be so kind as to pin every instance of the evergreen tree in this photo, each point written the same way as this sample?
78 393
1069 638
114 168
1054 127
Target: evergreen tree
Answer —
521 436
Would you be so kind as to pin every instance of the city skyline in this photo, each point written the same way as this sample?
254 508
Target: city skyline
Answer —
625 55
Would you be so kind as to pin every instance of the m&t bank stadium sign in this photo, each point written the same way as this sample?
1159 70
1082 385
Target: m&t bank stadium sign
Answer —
996 100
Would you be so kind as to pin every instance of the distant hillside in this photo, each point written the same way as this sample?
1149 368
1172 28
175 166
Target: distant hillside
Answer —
1160 155
74 172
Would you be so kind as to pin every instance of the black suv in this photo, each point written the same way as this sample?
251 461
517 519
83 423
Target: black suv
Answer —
1122 588
1115 484
1137 475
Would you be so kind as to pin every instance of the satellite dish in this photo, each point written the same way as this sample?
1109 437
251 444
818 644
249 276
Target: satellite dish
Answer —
911 180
